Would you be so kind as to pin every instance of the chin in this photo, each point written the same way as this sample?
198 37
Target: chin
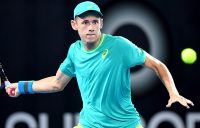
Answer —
91 41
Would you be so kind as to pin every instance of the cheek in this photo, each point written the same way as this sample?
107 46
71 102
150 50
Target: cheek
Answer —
82 30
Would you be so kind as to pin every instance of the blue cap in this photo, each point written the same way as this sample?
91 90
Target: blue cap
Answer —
86 6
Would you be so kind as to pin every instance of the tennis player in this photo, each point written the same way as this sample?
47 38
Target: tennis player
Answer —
101 64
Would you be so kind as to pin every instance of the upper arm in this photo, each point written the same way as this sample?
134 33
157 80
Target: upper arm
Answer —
62 78
152 62
52 84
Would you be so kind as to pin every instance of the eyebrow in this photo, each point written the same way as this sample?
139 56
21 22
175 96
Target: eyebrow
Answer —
88 20
85 19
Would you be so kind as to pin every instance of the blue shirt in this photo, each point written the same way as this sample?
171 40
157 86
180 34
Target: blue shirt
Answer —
103 76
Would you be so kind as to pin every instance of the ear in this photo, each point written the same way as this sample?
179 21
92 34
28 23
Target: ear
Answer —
74 25
101 23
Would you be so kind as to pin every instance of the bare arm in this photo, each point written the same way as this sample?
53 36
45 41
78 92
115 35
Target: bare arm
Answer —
47 85
166 77
52 84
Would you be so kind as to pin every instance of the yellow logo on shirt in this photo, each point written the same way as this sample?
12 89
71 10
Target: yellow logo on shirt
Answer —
105 53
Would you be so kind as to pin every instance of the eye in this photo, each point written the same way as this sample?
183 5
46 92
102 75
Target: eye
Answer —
95 22
85 22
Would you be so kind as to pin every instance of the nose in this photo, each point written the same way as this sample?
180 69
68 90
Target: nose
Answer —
91 28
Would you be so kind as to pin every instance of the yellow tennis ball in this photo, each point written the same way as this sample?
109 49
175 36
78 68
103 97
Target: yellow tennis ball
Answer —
188 56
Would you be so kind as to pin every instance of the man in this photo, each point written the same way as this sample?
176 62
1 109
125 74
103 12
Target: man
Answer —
101 63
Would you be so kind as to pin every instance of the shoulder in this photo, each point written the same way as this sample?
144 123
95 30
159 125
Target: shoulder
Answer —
75 45
73 48
120 40
112 37
124 40
124 43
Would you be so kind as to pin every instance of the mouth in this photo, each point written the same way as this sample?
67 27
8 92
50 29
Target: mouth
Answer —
90 34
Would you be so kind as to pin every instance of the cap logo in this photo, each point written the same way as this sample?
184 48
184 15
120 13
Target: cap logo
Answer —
90 7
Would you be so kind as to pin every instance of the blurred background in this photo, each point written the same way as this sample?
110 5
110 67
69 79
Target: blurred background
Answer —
35 36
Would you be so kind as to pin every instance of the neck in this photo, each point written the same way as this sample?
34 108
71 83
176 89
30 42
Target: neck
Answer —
91 45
